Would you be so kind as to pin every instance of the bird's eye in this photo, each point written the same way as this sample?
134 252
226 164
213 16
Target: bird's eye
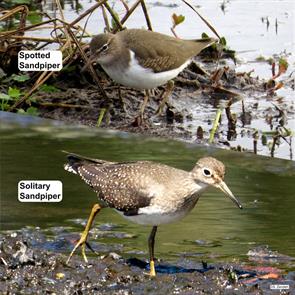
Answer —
207 172
104 47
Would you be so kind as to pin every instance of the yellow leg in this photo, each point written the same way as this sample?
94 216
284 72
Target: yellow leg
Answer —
165 97
151 243
83 239
152 269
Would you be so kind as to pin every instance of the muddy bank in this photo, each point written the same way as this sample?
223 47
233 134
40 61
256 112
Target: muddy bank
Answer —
28 267
245 101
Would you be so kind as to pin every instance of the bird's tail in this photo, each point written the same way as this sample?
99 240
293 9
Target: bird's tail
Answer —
75 161
206 42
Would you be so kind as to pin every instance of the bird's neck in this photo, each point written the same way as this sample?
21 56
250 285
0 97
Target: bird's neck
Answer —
200 187
120 56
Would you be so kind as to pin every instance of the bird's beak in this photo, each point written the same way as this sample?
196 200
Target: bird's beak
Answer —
222 186
90 61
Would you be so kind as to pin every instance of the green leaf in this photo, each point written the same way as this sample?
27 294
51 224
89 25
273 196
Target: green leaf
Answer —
260 58
283 65
114 24
21 1
32 111
270 133
21 111
78 7
48 88
5 96
283 62
204 36
177 19
14 92
32 98
69 69
264 139
223 41
20 78
34 17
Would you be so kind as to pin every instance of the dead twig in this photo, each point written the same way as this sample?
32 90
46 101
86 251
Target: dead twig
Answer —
63 105
146 15
125 5
202 18
105 18
38 39
129 12
92 71
90 10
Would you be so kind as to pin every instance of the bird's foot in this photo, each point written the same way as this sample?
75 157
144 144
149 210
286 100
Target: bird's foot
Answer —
83 243
83 239
160 109
152 269
152 272
165 97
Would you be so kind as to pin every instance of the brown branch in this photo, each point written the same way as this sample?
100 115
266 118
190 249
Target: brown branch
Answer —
147 18
38 39
90 10
62 105
130 11
8 33
9 13
202 18
92 71
105 18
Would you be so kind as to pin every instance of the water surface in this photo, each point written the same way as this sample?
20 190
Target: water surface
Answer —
31 150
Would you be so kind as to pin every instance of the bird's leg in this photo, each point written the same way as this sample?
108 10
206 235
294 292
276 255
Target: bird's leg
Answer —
145 101
121 99
139 120
83 239
151 242
165 96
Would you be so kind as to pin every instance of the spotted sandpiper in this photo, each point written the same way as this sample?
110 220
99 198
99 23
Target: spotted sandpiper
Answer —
144 59
146 192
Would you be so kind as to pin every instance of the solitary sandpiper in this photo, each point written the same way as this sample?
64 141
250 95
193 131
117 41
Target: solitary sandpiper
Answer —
144 59
146 192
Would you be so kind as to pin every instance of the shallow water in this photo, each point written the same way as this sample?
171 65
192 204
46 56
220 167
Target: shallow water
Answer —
215 229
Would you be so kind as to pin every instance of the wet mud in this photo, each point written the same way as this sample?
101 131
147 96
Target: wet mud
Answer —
189 114
31 262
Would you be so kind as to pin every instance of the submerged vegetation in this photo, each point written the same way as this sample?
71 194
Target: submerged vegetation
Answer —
92 99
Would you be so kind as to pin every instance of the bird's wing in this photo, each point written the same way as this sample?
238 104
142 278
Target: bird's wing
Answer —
113 185
161 52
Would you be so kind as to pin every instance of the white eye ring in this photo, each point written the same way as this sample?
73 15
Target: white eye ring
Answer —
207 172
105 47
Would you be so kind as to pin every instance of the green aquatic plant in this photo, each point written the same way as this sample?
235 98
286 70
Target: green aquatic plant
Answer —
11 95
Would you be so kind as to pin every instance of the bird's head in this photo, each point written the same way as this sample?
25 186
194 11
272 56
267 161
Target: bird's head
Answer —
210 171
104 48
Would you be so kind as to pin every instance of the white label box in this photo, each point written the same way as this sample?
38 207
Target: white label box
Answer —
41 191
40 60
